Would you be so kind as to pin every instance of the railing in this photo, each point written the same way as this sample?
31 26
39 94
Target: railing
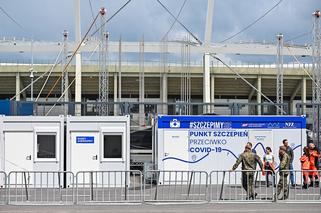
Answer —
175 186
156 63
107 187
40 187
3 188
237 186
306 188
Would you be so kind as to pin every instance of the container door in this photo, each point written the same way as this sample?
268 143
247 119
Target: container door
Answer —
84 151
176 156
19 156
260 140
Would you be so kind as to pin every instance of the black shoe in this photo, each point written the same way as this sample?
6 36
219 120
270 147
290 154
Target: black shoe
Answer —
317 184
305 186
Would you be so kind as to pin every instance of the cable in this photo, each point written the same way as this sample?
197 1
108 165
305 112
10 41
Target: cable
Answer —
92 12
247 82
62 95
41 76
122 7
44 84
298 36
251 24
306 71
13 20
199 42
72 56
176 18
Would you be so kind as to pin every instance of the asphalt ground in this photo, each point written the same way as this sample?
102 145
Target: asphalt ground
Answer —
199 208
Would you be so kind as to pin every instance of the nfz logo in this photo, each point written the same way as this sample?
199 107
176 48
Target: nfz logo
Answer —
289 124
174 123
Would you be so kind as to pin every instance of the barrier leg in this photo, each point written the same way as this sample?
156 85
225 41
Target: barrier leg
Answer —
126 186
190 183
222 186
91 186
26 187
157 180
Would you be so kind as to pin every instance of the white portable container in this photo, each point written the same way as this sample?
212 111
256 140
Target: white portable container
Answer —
97 143
208 143
29 143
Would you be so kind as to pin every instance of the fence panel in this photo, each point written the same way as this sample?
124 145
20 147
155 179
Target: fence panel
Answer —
3 188
306 189
171 186
109 187
229 186
48 188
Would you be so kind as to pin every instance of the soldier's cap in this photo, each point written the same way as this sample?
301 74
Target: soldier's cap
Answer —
283 148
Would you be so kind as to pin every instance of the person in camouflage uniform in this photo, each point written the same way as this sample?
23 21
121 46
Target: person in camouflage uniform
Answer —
283 174
249 161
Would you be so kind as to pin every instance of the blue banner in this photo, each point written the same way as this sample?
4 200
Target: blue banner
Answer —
232 122
85 139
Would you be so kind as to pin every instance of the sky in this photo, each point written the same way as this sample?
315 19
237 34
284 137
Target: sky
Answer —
46 20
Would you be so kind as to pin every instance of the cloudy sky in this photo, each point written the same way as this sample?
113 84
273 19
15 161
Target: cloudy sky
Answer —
46 19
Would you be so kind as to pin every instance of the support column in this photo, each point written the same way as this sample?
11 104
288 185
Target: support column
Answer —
206 82
18 86
304 94
164 93
212 92
78 58
115 94
209 22
258 95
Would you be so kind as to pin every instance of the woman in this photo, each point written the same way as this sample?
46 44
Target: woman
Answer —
269 165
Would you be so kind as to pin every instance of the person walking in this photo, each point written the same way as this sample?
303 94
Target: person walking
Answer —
314 159
249 161
269 166
284 173
290 153
305 166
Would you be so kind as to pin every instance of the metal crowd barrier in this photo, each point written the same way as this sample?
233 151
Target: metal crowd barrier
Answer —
235 186
26 187
94 187
3 188
302 191
175 186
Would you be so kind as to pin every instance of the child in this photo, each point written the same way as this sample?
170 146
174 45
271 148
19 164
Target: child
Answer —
269 166
305 166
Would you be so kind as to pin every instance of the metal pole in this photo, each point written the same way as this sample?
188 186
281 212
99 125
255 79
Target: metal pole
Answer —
91 186
26 187
190 183
222 186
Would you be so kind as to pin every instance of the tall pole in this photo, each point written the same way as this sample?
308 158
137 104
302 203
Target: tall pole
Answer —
78 58
103 68
316 92
119 69
31 73
65 79
279 77
206 56
141 83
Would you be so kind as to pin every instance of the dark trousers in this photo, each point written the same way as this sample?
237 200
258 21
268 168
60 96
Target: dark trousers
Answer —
248 183
283 186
